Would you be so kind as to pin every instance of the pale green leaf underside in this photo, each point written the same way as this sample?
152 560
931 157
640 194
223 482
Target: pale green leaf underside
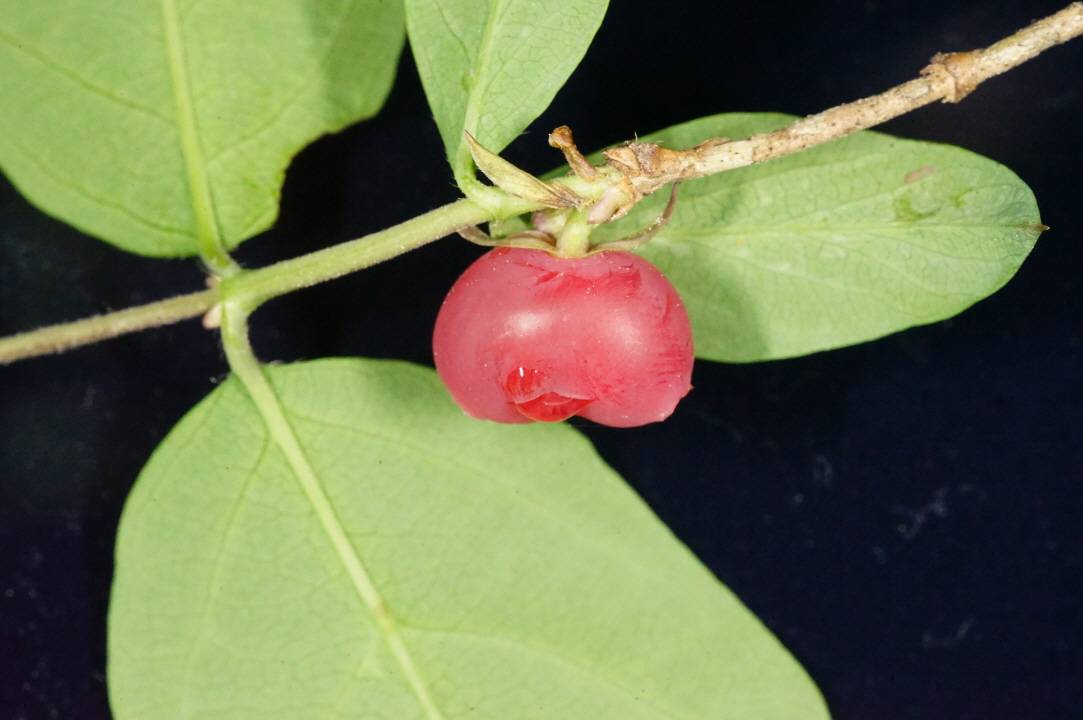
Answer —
492 66
91 129
837 245
524 577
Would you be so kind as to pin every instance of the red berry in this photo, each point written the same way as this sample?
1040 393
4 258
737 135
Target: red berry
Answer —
524 335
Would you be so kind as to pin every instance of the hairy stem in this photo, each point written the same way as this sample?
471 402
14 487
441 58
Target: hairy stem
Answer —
258 286
57 338
254 287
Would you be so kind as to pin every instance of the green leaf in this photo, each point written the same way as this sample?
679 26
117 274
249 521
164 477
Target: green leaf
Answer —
491 68
149 124
510 570
833 246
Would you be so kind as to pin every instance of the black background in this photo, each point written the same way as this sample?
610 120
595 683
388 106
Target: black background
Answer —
903 514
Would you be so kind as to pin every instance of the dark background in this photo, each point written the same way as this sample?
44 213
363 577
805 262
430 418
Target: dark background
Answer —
903 514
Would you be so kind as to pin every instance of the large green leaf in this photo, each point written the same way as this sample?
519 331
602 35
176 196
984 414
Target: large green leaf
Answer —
836 245
492 66
518 576
147 123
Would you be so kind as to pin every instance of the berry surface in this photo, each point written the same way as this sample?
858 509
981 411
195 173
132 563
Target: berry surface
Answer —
524 335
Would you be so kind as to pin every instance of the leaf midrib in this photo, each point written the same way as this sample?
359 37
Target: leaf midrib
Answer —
841 228
427 455
271 410
208 234
854 289
259 388
481 66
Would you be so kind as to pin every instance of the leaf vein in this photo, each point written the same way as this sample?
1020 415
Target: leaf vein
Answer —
66 72
271 409
548 653
426 454
208 232
843 289
59 179
213 584
277 114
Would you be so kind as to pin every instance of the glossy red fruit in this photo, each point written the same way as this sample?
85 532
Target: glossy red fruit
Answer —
524 335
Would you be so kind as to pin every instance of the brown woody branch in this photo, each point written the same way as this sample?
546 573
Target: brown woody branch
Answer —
949 77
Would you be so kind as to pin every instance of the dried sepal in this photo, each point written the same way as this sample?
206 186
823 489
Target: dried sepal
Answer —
517 182
530 239
630 242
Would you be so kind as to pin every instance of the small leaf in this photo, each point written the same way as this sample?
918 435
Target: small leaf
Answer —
836 245
148 123
517 574
491 68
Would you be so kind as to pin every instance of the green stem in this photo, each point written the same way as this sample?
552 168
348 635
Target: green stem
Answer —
247 368
498 204
257 286
57 338
574 238
253 287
